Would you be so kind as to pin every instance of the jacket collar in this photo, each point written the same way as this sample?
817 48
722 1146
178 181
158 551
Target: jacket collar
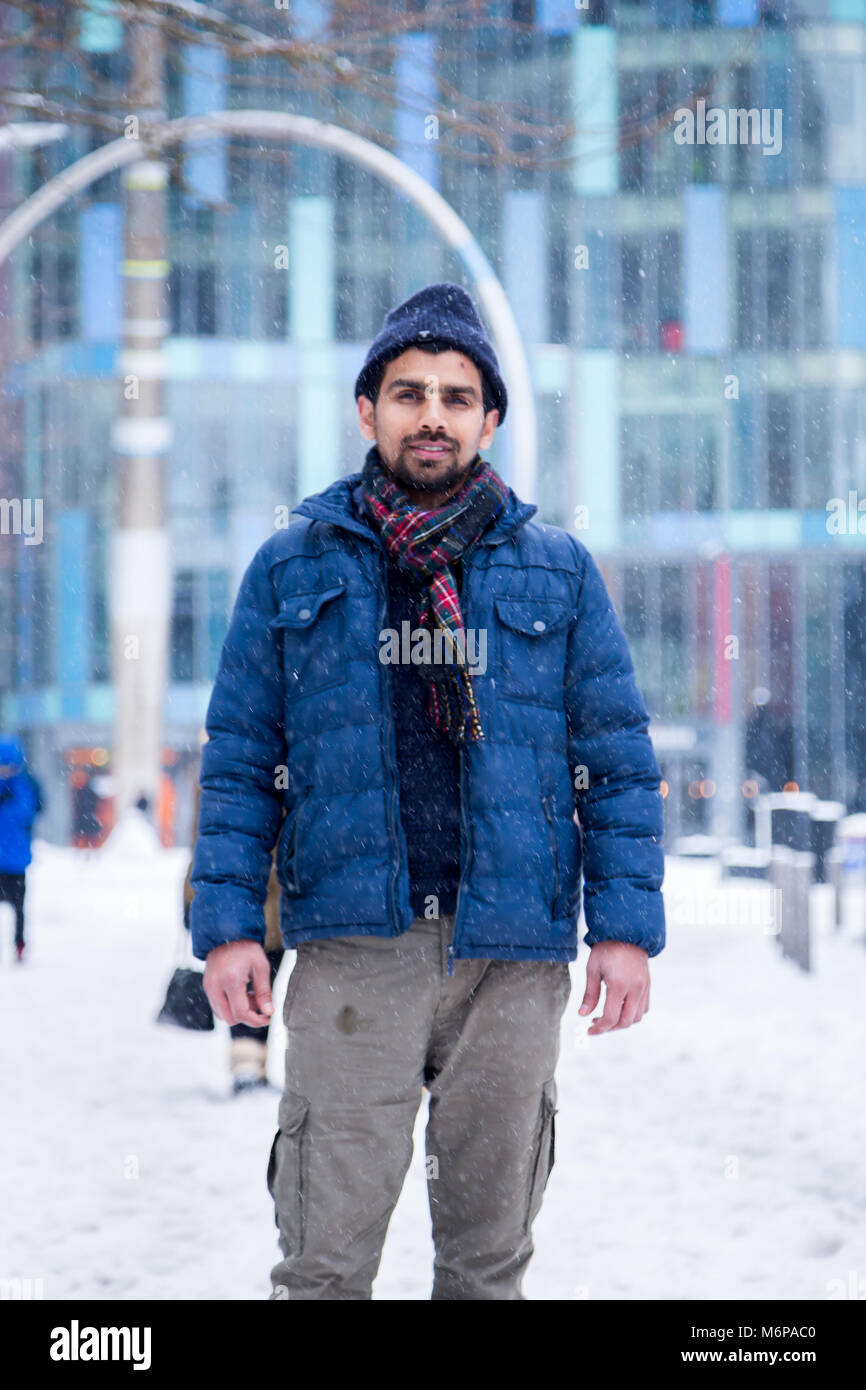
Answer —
339 504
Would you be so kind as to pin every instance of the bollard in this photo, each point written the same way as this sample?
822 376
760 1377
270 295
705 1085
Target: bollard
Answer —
793 872
784 818
825 817
851 846
834 862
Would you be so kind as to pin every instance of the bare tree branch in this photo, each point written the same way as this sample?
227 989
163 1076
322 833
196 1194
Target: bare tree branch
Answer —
349 61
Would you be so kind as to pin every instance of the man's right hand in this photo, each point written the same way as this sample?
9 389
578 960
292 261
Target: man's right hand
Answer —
227 972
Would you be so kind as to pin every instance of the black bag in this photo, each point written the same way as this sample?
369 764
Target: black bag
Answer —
186 1004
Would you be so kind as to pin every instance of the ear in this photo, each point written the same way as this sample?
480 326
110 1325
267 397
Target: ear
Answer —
491 420
366 418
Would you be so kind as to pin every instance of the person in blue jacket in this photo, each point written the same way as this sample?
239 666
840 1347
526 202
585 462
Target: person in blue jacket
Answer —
20 803
426 701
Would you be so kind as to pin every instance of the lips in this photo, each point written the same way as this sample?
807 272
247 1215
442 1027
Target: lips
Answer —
431 451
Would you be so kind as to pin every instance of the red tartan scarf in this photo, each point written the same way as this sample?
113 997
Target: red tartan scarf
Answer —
428 542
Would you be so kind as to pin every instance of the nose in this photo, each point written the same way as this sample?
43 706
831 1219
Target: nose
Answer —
432 413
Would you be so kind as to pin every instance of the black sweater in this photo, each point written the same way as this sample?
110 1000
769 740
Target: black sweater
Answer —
429 767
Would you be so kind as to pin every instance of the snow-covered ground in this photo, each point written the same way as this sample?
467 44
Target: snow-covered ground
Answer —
716 1150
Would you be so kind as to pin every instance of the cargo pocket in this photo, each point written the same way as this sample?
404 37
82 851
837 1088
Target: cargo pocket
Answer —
287 1172
543 1154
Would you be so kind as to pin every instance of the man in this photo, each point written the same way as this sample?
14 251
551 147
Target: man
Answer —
431 685
20 804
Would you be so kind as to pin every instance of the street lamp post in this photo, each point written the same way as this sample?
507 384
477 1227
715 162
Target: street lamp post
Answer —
140 562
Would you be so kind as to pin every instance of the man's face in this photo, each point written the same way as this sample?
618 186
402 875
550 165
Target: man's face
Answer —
428 422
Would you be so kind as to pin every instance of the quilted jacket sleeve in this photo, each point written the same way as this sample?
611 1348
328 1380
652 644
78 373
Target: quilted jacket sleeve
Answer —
617 777
241 806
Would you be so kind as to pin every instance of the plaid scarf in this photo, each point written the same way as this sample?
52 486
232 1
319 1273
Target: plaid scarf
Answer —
428 542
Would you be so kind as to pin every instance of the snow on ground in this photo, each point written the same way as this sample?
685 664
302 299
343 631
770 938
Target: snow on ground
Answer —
714 1151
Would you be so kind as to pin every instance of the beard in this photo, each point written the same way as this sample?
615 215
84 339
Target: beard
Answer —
426 475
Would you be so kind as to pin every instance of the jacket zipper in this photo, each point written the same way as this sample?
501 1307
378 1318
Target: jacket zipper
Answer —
387 706
554 849
464 823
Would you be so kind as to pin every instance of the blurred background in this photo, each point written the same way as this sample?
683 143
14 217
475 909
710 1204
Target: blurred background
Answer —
694 316
672 195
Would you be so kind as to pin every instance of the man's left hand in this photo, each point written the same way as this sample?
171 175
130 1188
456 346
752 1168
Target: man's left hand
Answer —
624 968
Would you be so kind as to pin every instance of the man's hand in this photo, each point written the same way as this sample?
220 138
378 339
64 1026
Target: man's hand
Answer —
625 971
228 970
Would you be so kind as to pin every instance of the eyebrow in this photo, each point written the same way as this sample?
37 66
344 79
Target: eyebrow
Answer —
422 385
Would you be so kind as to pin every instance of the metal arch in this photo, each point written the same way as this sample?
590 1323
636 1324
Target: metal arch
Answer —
323 135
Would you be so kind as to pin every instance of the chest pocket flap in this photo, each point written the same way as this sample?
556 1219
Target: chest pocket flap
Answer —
532 617
301 610
313 628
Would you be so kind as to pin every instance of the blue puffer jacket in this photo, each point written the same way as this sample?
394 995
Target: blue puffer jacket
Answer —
19 805
301 745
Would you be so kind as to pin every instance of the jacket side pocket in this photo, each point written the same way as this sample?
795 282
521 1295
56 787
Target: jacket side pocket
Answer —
287 1172
554 848
287 851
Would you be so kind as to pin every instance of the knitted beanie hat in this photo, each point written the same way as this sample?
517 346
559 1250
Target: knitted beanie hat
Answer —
445 313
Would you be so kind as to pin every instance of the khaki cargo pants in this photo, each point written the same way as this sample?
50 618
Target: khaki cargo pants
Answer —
370 1021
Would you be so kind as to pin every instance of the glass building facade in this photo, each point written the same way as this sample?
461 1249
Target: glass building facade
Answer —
694 312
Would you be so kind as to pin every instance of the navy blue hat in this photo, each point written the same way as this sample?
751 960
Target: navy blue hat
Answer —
444 313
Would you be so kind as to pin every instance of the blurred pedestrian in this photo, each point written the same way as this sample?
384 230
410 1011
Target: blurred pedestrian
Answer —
248 1052
87 828
20 804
